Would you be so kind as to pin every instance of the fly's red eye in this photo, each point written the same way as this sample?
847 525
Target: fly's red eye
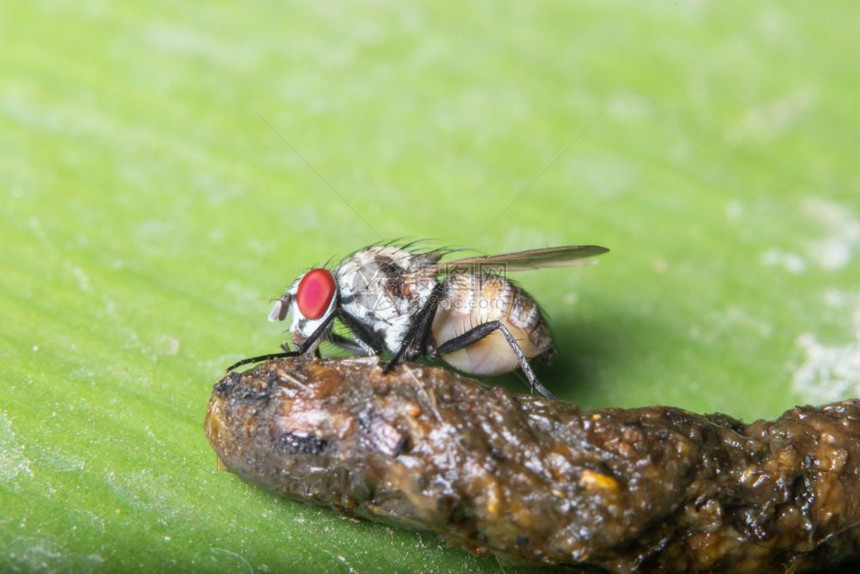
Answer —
315 292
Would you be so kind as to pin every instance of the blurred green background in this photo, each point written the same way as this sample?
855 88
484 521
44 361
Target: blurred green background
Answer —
152 206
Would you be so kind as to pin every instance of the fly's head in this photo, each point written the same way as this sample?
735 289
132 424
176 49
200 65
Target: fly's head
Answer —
311 300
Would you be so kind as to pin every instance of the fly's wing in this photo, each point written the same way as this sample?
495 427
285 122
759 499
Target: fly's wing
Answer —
564 256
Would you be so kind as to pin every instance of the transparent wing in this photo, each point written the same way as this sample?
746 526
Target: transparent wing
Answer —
526 260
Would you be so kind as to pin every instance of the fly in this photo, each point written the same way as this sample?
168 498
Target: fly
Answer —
465 311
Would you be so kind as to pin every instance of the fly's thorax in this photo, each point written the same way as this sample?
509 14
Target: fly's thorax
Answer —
471 300
383 287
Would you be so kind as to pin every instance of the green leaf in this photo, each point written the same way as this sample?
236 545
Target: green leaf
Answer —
167 169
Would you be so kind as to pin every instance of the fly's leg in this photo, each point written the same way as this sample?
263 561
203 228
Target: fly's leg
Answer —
286 347
357 346
413 342
477 333
261 358
310 343
370 342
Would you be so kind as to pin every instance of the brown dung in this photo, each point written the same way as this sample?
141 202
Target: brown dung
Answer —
648 489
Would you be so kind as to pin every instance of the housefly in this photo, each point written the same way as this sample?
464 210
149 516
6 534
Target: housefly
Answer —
465 311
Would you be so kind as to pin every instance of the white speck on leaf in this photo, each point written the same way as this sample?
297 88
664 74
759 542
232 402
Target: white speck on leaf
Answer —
224 551
836 250
13 461
829 372
791 262
61 462
725 322
342 559
627 106
80 276
734 210
833 250
166 345
770 120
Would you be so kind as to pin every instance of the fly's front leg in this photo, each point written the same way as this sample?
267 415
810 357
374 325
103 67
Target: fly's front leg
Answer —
477 333
286 347
261 358
310 343
413 342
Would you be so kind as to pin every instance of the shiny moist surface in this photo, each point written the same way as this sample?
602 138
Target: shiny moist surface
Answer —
540 480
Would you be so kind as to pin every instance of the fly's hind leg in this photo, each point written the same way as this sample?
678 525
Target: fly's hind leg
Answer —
477 333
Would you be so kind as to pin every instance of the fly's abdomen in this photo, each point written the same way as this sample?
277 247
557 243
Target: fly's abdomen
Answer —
470 301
